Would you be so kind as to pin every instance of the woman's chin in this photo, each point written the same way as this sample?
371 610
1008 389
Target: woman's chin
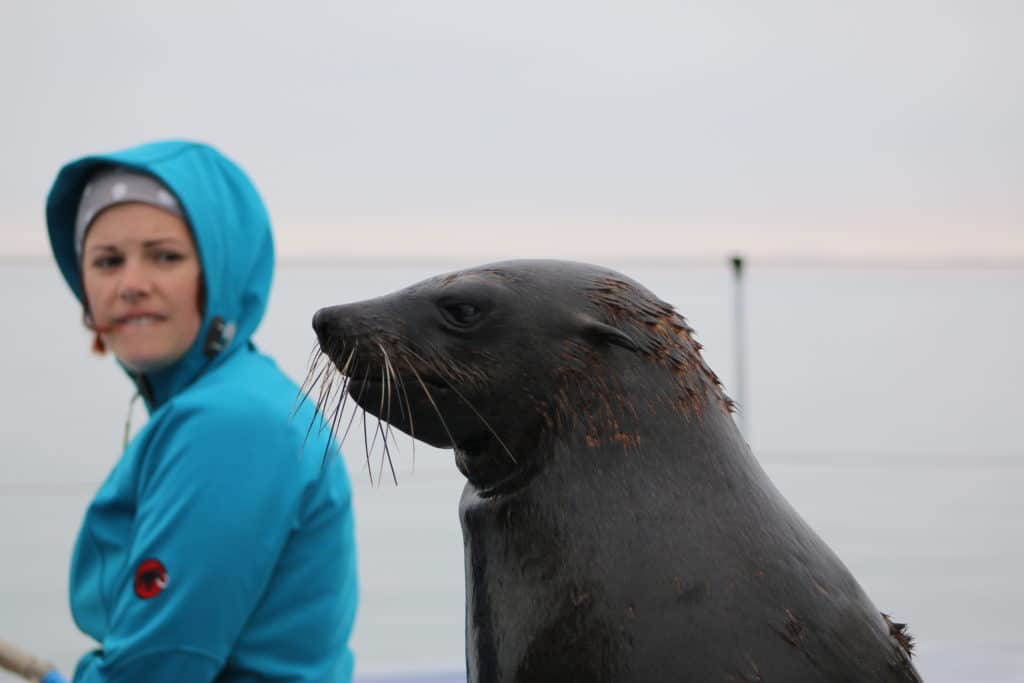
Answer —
143 362
144 351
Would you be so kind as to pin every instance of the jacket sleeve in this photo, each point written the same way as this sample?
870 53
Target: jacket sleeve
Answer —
217 499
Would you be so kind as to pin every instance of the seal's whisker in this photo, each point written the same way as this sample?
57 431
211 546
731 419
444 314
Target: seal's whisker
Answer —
342 404
346 380
369 467
325 390
312 377
431 399
355 410
386 430
316 354
389 433
334 427
351 419
314 351
321 405
405 409
380 410
325 421
348 362
388 373
412 427
317 369
471 407
366 441
317 372
385 454
385 396
384 450
300 399
339 399
341 394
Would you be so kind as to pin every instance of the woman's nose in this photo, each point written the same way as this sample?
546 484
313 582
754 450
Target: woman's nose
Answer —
135 280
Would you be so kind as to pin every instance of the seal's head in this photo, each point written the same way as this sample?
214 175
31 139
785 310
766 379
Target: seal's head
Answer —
492 361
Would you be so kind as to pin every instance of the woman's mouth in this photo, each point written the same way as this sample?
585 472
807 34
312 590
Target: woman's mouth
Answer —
138 320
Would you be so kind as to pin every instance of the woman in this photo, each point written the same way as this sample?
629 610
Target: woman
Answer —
221 545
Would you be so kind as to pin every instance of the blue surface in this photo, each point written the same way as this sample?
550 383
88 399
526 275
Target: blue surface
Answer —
443 677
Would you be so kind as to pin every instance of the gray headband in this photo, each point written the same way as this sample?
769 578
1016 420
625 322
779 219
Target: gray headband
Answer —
113 186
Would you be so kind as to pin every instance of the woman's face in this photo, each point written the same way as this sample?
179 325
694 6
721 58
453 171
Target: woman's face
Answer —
141 276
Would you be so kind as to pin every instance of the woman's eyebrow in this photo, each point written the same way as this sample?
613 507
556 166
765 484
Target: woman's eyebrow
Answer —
102 247
173 241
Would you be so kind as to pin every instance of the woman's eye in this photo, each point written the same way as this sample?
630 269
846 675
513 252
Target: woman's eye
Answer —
106 262
462 314
167 256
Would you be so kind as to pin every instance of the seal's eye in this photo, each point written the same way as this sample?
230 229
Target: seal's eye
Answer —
461 314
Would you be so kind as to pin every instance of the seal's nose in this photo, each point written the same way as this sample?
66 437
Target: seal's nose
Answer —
322 325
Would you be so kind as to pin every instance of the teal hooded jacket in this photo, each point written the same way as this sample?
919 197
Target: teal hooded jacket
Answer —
221 545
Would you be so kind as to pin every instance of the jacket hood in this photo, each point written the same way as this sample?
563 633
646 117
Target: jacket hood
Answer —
232 234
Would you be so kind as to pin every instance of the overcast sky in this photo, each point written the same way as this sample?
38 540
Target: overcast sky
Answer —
789 130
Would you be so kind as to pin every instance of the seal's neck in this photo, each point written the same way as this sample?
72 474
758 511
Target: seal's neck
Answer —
658 443
632 417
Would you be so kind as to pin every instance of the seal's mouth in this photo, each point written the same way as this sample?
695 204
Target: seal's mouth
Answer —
407 381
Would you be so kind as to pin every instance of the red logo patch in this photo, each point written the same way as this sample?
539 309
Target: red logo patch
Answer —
150 579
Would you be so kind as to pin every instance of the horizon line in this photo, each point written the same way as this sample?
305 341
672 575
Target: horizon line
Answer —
692 261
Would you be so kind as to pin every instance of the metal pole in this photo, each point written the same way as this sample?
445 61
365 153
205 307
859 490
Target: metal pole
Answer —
26 665
739 344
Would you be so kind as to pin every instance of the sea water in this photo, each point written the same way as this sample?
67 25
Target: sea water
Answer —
885 404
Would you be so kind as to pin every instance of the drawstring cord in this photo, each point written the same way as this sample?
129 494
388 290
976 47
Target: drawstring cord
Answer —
128 418
220 335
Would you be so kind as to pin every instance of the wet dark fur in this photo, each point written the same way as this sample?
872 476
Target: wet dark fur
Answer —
616 526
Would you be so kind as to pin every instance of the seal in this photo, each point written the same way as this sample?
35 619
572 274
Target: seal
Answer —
616 525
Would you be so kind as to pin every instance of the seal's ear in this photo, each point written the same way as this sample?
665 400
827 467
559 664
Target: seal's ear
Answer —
600 332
